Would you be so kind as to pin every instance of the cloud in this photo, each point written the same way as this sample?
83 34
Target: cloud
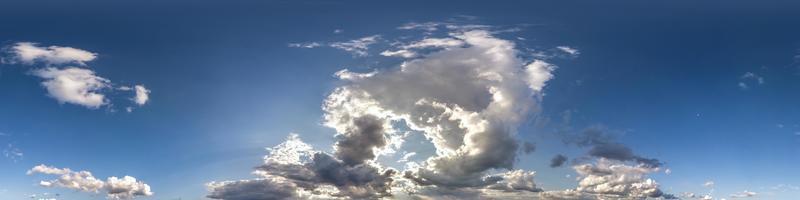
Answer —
358 47
558 161
126 187
708 184
294 170
744 194
465 99
426 26
251 189
750 77
142 95
70 84
465 93
308 45
29 53
609 179
411 50
13 153
528 147
74 85
569 50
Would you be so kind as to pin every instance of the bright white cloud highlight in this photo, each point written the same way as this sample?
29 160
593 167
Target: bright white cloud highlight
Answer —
126 187
74 85
142 95
28 53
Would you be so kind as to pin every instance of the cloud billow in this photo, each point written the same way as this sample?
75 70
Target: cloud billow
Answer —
466 93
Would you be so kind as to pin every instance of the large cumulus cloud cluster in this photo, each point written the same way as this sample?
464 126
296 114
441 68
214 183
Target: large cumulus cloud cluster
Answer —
126 187
466 92
67 78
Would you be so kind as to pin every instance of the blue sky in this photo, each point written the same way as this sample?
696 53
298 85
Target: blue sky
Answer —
706 88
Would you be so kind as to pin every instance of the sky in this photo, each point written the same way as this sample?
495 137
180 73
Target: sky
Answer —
255 99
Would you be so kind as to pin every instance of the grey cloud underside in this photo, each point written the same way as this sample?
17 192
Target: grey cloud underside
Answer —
603 145
558 161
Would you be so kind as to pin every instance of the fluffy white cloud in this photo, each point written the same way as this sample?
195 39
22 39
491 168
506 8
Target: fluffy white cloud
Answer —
74 85
142 95
609 179
28 53
115 188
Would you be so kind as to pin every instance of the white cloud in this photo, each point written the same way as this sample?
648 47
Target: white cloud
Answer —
69 84
142 95
74 85
358 47
126 187
409 50
308 45
28 53
467 98
744 194
750 77
569 50
427 26
608 179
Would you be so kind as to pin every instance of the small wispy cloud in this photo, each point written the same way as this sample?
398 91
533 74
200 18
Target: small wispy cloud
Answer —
307 45
748 79
358 47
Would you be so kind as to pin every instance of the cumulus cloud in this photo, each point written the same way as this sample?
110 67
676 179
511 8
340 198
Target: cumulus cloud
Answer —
29 53
74 85
67 83
294 170
466 100
610 179
466 93
142 95
126 187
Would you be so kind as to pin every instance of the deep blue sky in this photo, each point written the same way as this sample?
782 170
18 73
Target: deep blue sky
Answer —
225 85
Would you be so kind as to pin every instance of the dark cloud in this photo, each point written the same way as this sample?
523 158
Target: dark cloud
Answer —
528 147
558 161
265 189
603 144
357 144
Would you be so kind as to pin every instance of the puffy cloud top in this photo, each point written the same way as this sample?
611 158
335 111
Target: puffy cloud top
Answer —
126 187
